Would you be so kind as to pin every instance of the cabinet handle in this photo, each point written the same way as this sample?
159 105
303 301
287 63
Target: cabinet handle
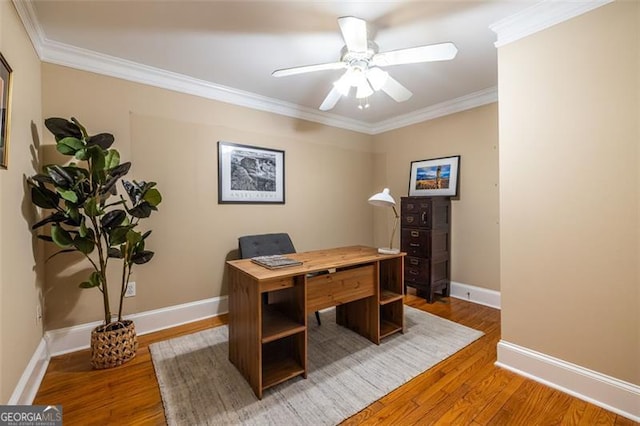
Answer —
424 216
414 261
409 219
412 272
415 234
414 245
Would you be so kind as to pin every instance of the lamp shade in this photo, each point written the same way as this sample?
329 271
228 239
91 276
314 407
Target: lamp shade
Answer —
382 199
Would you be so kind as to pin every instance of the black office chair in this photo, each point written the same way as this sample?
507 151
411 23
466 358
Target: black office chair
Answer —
266 245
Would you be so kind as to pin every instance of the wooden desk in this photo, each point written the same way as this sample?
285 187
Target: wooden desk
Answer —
268 342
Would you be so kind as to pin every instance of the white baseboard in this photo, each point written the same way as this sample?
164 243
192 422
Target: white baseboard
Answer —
78 337
70 339
615 395
27 387
482 296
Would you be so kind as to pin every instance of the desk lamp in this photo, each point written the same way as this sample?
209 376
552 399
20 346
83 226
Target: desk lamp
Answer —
384 199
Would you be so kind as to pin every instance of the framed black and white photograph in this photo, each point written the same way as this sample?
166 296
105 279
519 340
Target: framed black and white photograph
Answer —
5 113
250 174
435 177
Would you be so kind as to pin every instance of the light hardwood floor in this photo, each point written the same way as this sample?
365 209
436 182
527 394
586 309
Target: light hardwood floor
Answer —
465 389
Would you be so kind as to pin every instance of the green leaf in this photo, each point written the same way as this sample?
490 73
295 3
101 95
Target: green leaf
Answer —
69 145
96 154
91 207
152 196
103 140
83 231
68 195
118 235
142 210
60 236
82 154
115 253
44 198
84 245
95 278
60 176
112 159
133 237
62 128
73 215
113 219
80 126
142 257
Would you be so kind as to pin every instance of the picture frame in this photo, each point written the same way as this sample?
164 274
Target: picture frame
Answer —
435 177
6 79
250 174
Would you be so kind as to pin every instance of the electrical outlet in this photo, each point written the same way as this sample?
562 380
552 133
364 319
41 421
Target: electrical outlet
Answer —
131 289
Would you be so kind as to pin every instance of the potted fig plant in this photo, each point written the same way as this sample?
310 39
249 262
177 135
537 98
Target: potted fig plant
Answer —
86 214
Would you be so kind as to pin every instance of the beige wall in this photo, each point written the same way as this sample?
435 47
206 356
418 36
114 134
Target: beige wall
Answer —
20 283
473 135
171 139
569 191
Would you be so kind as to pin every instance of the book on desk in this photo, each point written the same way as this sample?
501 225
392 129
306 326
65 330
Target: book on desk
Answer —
275 261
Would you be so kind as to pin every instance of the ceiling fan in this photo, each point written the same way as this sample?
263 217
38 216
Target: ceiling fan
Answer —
363 64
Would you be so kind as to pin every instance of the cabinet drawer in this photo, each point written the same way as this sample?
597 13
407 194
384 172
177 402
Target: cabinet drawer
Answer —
415 242
416 269
416 212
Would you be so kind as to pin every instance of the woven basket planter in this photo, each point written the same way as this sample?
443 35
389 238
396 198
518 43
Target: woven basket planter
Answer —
113 344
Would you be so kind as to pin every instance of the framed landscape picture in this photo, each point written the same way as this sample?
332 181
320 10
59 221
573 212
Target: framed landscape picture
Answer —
249 174
5 113
435 177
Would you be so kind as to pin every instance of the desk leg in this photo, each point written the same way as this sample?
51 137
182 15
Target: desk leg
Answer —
360 316
245 328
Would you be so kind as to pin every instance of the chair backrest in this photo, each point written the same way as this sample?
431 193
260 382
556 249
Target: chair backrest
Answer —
265 245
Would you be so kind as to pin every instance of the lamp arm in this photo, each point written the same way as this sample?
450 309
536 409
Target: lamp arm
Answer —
395 226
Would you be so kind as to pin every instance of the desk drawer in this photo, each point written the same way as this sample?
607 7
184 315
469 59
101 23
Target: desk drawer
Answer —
324 291
277 284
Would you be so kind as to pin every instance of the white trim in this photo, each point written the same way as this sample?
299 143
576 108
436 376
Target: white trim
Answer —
27 387
612 394
539 17
472 100
87 60
78 337
482 296
31 24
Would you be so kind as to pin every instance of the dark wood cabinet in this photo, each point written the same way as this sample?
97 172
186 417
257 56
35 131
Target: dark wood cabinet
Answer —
426 238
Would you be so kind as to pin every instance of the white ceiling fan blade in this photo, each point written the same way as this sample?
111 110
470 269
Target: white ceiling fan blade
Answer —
309 68
331 100
413 55
354 33
397 91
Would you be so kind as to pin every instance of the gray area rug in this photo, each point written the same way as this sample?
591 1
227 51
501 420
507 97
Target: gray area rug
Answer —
347 372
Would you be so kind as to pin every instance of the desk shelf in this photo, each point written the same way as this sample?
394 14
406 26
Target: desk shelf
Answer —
283 359
387 296
391 299
276 325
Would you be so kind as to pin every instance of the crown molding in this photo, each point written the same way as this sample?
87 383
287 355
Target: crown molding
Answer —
86 60
472 100
541 16
31 24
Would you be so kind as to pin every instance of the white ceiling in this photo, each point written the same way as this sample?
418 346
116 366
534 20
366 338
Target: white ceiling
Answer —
238 44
